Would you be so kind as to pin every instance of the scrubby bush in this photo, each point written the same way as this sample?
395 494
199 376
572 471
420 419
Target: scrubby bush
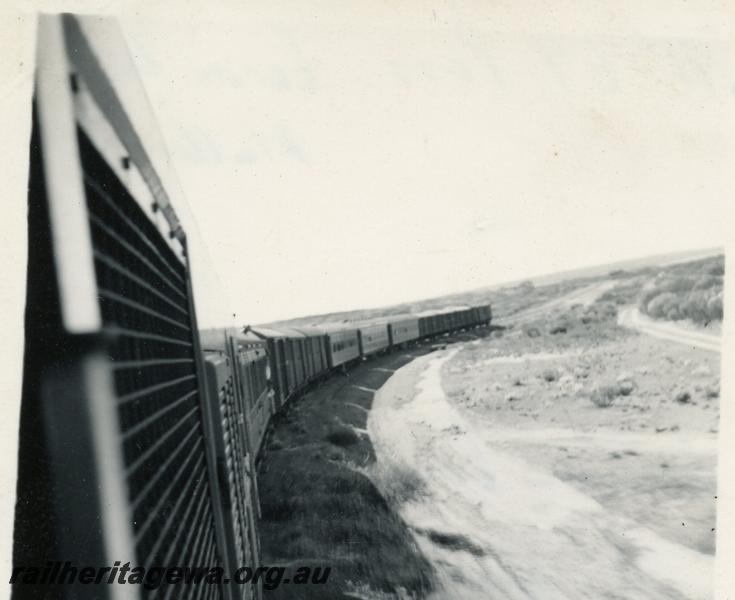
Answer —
683 397
718 267
626 387
695 306
605 395
659 306
550 375
607 309
707 281
558 327
714 307
625 292
712 392
675 297
599 311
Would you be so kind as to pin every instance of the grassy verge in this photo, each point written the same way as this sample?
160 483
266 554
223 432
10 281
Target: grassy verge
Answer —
318 508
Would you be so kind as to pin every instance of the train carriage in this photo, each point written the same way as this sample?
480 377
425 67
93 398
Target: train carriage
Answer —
403 329
344 345
373 338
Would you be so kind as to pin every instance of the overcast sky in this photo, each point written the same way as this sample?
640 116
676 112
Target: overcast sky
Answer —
340 158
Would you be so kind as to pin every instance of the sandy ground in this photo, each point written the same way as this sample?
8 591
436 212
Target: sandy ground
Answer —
529 490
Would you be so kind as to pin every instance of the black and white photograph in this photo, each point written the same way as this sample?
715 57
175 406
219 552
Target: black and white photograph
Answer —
367 300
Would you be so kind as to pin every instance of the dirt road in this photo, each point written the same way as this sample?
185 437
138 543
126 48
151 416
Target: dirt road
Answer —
496 526
632 318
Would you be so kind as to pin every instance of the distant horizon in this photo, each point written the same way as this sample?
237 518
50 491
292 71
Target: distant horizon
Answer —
657 259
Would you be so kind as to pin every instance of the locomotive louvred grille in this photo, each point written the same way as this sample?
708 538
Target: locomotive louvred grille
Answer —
143 295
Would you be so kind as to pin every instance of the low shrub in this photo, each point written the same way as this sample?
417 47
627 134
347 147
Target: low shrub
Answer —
600 311
550 375
626 387
717 268
661 305
604 395
677 297
714 307
707 281
624 292
683 397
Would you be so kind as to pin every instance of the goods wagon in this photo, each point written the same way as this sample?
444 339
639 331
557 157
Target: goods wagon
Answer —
317 347
430 323
281 351
253 373
235 452
298 346
248 361
486 314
